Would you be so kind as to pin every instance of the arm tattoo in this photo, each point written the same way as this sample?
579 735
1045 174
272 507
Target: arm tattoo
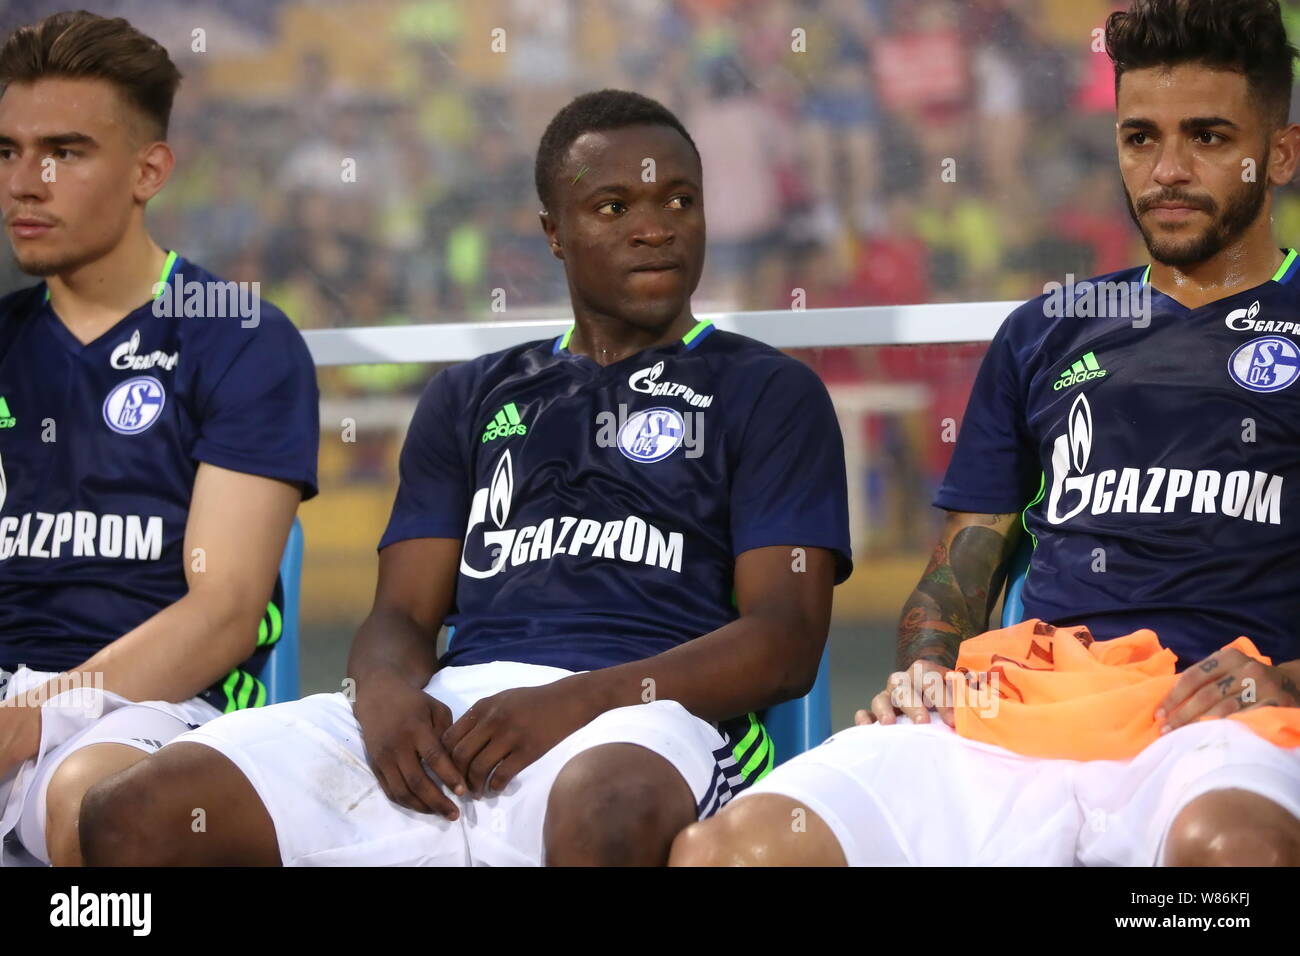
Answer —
952 601
923 633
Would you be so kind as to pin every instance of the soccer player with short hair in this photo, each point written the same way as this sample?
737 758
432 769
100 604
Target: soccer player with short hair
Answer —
1159 454
153 447
632 530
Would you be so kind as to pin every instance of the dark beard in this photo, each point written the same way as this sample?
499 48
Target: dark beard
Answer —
1239 214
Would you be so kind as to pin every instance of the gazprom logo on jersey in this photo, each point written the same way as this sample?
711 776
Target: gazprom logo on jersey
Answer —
1250 496
134 405
652 435
646 381
125 357
1244 320
81 534
630 539
1267 364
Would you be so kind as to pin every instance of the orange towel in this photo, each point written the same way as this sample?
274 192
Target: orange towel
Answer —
1062 694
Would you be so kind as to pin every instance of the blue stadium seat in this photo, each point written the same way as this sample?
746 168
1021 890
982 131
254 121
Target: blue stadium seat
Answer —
798 725
1013 605
280 675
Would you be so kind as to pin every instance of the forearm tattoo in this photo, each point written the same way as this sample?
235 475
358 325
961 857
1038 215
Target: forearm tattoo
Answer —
952 601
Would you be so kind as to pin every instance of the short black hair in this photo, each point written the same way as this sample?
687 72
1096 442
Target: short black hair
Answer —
592 112
1244 36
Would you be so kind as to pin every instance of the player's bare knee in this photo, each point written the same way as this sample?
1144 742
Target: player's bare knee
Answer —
66 790
130 818
1234 843
729 838
707 843
1233 828
63 796
113 824
618 804
749 832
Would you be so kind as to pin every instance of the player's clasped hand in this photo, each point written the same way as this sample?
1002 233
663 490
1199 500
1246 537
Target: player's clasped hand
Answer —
1224 683
402 729
913 693
20 735
501 735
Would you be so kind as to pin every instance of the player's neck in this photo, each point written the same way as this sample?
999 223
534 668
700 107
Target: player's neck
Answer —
607 339
92 298
1249 262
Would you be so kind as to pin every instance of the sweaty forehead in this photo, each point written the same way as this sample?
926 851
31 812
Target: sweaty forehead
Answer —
1173 93
64 104
617 156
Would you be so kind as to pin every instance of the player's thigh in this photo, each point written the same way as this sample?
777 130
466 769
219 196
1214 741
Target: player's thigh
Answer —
509 828
920 794
306 763
1130 806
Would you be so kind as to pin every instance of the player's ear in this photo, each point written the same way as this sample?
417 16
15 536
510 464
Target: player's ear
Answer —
1286 155
552 238
154 166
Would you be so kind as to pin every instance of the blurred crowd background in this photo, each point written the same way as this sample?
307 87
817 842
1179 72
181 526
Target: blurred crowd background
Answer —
826 128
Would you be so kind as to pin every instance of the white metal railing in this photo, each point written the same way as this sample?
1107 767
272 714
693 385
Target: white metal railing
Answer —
782 328
813 328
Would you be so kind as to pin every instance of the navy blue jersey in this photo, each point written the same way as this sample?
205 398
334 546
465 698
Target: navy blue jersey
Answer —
99 445
1159 455
602 508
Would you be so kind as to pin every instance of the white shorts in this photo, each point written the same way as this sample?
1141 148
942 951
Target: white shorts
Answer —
307 763
918 794
68 723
